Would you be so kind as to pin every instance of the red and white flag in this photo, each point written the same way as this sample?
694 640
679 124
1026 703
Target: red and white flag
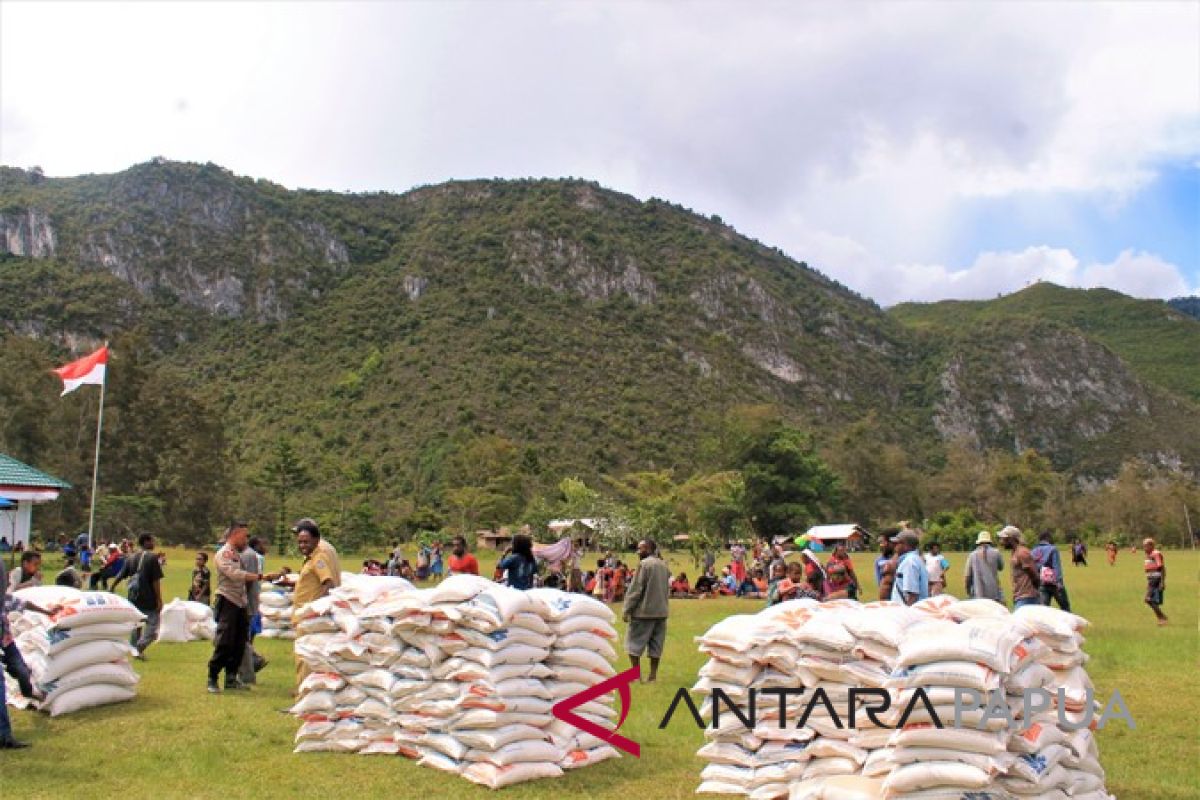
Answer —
89 369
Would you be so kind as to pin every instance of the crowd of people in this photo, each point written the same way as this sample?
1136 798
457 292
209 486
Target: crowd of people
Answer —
904 571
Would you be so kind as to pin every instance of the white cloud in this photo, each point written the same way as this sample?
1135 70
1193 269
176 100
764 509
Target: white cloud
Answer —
995 273
848 134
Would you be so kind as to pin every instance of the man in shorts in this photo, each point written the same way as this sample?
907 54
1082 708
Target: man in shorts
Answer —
1156 579
646 608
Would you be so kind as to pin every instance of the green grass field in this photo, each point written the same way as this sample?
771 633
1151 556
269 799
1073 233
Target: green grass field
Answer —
176 740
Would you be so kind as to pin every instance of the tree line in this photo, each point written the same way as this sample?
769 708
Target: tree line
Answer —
168 466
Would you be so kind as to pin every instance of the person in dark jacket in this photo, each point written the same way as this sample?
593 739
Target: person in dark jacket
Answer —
646 609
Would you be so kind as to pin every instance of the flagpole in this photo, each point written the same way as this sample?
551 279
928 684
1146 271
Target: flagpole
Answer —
96 464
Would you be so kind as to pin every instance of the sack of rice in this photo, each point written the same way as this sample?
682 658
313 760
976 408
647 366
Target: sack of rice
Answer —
79 657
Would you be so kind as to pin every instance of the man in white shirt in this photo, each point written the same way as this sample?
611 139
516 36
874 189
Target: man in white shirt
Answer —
936 565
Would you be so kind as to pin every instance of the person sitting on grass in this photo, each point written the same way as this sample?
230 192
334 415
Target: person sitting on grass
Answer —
838 584
747 588
728 585
706 585
778 574
680 587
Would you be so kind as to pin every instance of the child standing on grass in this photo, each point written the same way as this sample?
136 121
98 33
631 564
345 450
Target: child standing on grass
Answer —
201 589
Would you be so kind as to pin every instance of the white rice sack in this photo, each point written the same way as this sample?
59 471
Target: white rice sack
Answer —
53 641
173 622
996 643
554 604
852 787
496 738
923 735
823 767
99 651
89 696
964 674
116 674
584 659
736 633
459 589
975 609
885 624
512 654
494 777
87 608
524 751
584 624
439 760
931 774
1050 621
576 759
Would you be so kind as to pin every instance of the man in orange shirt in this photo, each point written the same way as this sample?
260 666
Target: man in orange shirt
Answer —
1156 579
461 562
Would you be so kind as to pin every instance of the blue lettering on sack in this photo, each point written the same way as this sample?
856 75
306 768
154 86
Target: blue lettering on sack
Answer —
1036 762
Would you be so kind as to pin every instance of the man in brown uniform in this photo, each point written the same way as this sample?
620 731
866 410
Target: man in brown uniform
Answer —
1025 580
233 621
318 576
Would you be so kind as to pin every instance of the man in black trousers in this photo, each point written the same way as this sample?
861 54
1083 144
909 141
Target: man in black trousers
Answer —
233 620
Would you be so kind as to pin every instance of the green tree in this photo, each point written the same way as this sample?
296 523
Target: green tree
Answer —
284 474
787 486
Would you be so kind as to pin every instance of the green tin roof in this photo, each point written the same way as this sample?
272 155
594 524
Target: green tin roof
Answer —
14 473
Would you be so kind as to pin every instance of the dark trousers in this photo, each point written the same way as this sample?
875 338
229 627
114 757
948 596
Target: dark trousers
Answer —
229 643
15 665
1056 592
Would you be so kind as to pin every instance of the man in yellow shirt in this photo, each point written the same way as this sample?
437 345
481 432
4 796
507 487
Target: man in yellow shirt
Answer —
319 574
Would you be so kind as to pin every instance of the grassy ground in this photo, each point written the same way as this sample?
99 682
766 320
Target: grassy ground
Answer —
177 741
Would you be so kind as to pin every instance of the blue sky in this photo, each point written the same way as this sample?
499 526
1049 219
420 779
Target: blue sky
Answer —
913 151
1163 218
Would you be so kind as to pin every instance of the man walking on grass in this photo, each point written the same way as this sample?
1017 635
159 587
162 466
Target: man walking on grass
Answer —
984 566
233 623
1049 564
646 608
1025 581
144 573
1155 568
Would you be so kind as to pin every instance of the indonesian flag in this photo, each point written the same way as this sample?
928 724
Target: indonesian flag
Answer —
89 369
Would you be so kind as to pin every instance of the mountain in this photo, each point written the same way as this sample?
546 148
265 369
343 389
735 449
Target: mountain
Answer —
1186 305
1160 343
599 333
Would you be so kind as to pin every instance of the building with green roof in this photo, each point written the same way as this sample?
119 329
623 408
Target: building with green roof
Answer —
23 486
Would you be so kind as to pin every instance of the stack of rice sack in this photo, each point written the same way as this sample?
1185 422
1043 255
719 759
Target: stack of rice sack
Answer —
935 646
275 605
581 656
461 677
186 621
346 704
791 645
78 658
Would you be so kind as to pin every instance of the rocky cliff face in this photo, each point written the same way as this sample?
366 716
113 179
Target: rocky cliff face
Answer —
27 232
203 236
495 301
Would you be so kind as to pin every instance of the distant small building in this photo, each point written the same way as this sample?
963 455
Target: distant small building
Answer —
855 536
23 486
580 530
493 540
